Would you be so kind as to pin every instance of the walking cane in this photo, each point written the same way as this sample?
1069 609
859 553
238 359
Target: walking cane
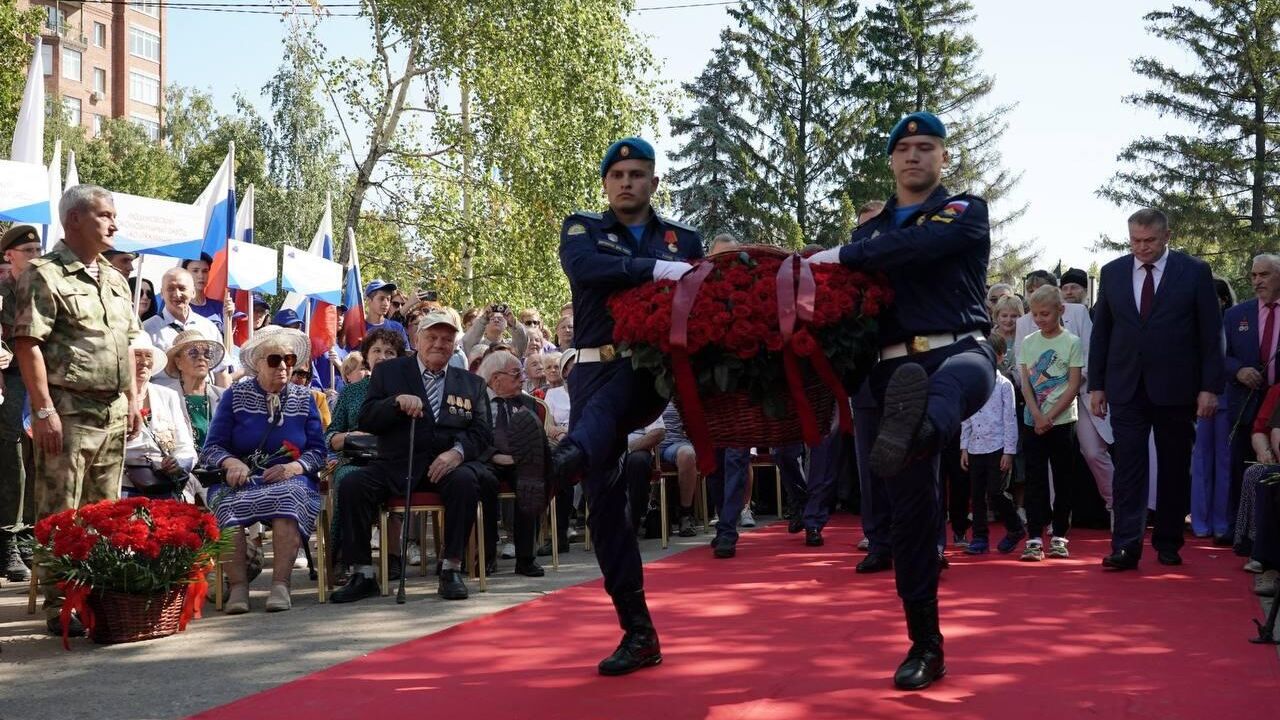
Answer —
404 523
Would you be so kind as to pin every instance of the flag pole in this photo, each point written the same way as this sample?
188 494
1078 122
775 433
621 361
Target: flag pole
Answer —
137 287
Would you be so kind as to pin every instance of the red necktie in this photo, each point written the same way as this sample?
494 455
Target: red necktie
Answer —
1148 292
1266 350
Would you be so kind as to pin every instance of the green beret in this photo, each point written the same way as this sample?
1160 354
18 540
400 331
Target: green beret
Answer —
631 148
917 123
18 235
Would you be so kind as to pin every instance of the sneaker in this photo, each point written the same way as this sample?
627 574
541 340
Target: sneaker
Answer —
864 544
1058 548
1011 541
1253 566
414 553
747 519
686 526
977 546
1034 552
959 540
508 551
300 562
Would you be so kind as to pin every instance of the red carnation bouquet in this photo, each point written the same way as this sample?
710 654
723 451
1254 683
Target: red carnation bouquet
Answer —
757 322
135 546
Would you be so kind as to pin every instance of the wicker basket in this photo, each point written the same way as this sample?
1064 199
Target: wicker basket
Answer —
734 421
121 618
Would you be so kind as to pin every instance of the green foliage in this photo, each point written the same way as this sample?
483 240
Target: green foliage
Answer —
122 158
16 27
1218 180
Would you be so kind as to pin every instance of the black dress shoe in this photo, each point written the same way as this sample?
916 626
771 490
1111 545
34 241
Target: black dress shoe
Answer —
566 467
1120 560
529 568
74 626
1223 541
796 522
639 647
904 431
813 537
1168 557
874 563
451 585
358 587
725 547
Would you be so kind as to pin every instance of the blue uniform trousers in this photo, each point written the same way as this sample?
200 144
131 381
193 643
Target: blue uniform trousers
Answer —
827 462
1211 474
731 479
607 401
877 512
961 377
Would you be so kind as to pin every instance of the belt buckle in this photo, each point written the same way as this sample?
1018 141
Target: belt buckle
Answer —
608 353
918 344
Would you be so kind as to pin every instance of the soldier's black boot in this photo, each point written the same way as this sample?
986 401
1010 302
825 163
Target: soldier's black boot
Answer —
13 568
924 662
565 467
639 647
905 431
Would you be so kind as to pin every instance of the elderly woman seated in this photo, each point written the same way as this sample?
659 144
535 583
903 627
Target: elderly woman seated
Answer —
158 460
266 435
187 368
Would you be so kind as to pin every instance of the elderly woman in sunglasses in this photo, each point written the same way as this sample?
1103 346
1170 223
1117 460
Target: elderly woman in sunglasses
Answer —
267 436
187 369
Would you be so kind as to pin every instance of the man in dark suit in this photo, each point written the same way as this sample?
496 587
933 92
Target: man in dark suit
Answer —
453 431
1156 362
1253 330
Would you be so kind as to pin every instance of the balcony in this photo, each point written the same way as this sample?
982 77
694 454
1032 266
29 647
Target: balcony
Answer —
67 34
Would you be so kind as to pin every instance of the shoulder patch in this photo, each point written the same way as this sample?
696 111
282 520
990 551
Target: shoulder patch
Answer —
576 228
952 210
676 224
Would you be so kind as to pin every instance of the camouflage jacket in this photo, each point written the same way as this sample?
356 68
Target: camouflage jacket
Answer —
83 327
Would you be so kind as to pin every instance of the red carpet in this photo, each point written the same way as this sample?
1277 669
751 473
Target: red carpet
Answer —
788 632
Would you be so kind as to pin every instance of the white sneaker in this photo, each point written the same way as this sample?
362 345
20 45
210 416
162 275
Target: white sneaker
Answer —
508 551
415 554
747 519
279 600
300 562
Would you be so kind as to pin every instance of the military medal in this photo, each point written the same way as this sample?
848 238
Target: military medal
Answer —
466 404
453 402
671 241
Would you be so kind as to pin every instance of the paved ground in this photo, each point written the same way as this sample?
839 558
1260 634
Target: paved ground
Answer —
221 658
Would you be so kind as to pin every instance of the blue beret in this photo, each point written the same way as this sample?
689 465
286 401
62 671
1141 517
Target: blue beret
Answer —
631 148
917 123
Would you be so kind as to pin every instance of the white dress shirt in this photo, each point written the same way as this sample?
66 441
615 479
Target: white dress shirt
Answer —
164 329
995 426
1140 276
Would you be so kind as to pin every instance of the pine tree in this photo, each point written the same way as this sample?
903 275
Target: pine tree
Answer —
713 183
1216 181
802 69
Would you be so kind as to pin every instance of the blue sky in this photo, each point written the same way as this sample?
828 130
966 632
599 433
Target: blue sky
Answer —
1066 66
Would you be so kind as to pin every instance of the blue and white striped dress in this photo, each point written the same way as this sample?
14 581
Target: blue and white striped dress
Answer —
246 422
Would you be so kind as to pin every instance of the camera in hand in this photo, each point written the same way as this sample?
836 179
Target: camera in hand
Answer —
428 295
500 308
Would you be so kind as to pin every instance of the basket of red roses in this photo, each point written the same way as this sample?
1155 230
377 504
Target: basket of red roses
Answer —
132 569
755 346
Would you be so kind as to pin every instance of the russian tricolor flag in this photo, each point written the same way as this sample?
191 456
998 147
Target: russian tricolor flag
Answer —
219 203
353 298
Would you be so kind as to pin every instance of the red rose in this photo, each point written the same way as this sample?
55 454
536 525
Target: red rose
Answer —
293 451
803 343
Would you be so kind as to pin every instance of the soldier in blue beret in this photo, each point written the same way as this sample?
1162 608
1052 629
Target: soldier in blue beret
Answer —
935 368
603 253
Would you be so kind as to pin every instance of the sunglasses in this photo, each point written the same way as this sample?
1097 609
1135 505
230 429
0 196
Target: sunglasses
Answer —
532 323
273 360
195 353
513 373
396 304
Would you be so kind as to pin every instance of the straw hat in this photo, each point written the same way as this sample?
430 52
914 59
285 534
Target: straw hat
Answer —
142 343
272 337
191 337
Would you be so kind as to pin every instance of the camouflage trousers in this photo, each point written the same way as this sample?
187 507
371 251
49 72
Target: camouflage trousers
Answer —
88 469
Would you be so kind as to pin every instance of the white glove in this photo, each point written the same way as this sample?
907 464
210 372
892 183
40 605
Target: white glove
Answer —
669 269
829 256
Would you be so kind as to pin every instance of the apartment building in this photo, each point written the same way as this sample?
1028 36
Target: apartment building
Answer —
104 59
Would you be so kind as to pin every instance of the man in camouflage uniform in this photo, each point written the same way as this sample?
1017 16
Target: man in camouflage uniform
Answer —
19 245
72 328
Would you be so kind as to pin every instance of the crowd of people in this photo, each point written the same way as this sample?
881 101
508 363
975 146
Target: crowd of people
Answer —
125 398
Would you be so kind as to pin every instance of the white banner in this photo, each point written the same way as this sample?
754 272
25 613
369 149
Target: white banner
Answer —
312 276
158 227
252 267
24 192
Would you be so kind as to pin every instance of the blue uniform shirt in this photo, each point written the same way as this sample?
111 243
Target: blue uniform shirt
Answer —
936 261
600 256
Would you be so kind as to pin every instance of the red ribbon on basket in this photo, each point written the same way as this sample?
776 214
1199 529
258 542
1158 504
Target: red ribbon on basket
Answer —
75 598
197 588
695 422
797 296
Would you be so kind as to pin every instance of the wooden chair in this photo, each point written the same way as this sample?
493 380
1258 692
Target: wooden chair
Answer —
323 523
431 503
764 461
32 593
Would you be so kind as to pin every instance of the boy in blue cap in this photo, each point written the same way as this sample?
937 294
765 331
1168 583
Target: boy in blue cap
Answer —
603 253
377 307
936 367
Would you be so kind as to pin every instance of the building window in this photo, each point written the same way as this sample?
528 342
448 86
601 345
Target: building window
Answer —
46 59
99 34
55 19
97 125
71 64
144 88
150 9
71 107
144 44
148 125
100 80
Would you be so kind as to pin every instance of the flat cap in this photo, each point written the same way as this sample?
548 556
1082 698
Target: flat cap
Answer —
437 316
629 148
917 123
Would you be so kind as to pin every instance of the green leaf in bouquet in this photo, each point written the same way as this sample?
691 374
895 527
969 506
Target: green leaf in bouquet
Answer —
724 378
665 384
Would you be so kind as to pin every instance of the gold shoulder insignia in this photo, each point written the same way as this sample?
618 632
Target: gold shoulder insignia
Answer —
576 229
